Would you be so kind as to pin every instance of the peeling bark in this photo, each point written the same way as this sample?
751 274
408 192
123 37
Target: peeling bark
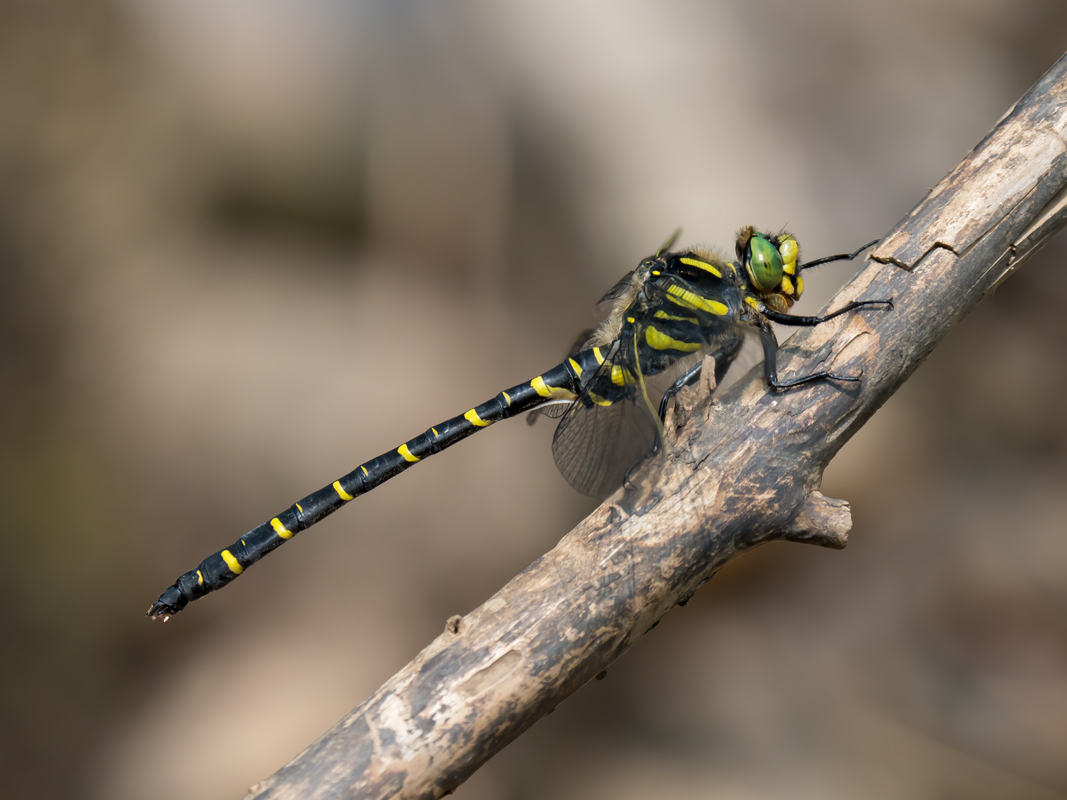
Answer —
740 471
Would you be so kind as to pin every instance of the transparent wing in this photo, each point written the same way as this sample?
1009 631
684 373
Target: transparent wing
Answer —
607 302
731 367
615 422
554 409
607 430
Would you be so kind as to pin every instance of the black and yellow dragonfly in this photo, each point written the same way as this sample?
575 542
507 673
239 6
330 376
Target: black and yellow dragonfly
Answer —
612 391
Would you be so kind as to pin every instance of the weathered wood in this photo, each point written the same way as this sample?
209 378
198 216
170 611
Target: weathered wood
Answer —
741 471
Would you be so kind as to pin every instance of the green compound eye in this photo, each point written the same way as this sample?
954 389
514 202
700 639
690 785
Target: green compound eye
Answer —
764 264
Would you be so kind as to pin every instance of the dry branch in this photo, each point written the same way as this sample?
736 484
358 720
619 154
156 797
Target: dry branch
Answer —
741 472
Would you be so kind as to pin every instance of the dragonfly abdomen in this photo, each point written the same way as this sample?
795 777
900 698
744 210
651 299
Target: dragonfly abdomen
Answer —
562 382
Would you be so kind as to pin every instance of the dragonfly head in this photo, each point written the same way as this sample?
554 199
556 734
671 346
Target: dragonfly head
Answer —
771 266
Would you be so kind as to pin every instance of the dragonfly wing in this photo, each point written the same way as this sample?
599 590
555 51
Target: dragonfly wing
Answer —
553 409
615 421
595 447
607 302
608 429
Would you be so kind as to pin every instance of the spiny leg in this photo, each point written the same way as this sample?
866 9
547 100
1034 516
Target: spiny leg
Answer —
770 366
840 257
807 322
724 356
688 379
770 343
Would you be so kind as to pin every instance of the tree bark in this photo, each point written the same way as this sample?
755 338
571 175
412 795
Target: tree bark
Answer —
740 471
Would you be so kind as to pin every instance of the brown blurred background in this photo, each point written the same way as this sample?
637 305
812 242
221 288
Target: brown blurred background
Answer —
245 246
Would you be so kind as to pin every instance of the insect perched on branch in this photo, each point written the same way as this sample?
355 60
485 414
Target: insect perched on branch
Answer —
611 392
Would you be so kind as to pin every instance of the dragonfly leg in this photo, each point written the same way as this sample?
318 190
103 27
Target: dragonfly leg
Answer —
651 453
808 322
770 366
770 343
688 379
840 257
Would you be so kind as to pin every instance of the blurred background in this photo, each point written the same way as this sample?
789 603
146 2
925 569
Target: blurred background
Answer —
245 246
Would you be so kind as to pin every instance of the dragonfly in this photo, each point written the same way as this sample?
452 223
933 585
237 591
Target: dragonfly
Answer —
665 321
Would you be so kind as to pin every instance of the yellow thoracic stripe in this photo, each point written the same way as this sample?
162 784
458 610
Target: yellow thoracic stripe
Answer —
756 304
787 285
341 492
684 297
575 366
403 450
664 315
598 355
232 562
473 418
280 529
658 340
704 265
